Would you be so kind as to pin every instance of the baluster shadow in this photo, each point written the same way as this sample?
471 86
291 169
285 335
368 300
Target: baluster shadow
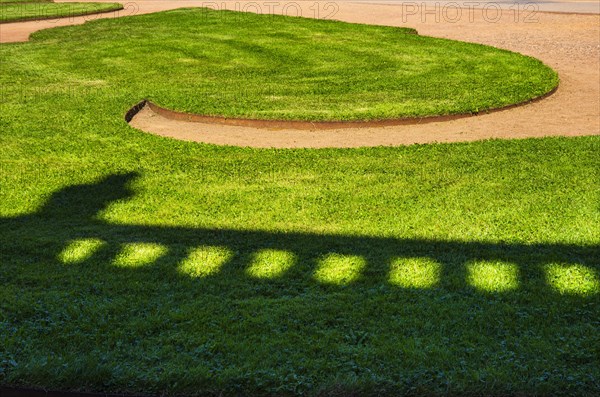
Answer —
307 297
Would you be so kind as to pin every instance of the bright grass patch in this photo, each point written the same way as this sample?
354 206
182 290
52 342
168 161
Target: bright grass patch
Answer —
415 273
573 279
204 261
493 276
78 251
139 254
339 269
270 264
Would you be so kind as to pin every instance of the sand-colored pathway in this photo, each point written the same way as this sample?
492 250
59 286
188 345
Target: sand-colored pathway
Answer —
570 43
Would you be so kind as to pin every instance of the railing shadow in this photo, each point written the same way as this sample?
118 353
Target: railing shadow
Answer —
330 293
72 214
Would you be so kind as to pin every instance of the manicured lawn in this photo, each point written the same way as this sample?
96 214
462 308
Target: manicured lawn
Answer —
23 11
273 67
134 263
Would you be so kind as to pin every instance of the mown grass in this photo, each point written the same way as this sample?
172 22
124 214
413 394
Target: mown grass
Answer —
134 263
25 11
273 67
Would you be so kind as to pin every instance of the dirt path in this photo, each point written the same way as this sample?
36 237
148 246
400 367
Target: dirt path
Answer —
567 42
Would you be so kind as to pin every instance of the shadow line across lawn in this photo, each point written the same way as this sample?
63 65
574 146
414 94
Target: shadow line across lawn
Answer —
461 305
75 208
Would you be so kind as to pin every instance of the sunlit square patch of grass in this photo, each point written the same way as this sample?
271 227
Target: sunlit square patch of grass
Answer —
270 264
339 269
205 261
77 251
493 276
414 272
139 254
572 279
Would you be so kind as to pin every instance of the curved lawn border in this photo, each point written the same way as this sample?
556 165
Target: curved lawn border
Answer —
314 125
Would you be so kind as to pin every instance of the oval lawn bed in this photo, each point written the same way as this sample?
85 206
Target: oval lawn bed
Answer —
242 65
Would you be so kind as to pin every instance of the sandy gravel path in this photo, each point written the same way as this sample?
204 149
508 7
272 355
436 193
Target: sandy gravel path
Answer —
569 43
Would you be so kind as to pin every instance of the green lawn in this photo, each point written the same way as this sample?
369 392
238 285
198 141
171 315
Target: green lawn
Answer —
273 67
134 263
24 10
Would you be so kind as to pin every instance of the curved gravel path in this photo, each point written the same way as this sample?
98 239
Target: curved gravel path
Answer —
569 43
